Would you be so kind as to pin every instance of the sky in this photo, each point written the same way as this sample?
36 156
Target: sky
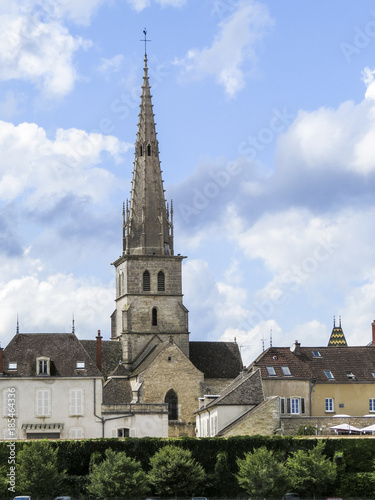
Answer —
265 114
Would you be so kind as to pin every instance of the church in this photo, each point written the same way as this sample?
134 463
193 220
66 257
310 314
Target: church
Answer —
147 378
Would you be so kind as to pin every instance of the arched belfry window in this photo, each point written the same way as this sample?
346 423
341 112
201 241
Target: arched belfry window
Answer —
154 315
149 150
172 400
161 281
146 281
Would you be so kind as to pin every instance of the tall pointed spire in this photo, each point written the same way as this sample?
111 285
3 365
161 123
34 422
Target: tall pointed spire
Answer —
337 338
147 228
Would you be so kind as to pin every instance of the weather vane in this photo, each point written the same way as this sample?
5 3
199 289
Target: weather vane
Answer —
145 40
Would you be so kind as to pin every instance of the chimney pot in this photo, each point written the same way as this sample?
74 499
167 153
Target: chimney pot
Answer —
99 351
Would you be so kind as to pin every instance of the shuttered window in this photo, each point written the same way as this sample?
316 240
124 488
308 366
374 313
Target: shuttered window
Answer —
43 403
146 281
76 401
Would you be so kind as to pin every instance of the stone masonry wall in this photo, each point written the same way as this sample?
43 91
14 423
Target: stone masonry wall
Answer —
290 425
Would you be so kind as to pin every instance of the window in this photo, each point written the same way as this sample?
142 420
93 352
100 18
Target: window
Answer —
271 371
372 405
141 150
329 374
76 433
161 281
80 365
154 316
295 406
123 433
350 375
286 371
172 400
282 405
43 366
76 402
43 403
316 354
12 365
148 150
329 405
146 281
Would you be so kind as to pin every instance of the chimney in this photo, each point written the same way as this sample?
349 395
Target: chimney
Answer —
296 348
1 361
373 332
99 351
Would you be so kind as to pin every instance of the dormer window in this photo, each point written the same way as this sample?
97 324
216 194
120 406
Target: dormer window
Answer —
350 375
43 366
12 365
80 365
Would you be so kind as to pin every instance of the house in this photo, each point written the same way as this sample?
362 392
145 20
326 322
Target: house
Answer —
302 386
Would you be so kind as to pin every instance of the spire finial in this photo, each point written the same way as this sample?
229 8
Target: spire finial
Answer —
334 322
18 325
73 326
145 40
340 321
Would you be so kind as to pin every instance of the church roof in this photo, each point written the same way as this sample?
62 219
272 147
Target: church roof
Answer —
246 389
117 391
146 222
337 338
63 349
216 359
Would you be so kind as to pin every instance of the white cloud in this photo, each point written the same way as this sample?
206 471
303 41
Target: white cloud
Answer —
232 48
140 5
55 299
39 52
44 169
339 139
112 65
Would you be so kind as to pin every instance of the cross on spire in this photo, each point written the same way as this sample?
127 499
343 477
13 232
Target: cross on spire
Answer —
145 40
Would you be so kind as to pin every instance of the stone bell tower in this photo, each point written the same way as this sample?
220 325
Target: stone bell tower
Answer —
149 306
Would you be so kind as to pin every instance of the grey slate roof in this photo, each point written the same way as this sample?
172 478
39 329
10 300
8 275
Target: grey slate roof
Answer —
63 349
216 359
246 389
111 354
341 361
117 391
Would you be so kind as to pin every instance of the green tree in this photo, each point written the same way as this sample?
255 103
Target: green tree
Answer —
311 472
174 472
118 476
261 474
37 470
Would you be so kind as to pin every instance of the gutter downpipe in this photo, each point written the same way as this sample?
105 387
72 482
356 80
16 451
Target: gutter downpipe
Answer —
312 385
102 419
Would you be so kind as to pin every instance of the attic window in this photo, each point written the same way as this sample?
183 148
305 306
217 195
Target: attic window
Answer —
43 366
373 374
271 371
12 365
286 371
80 365
350 375
316 354
329 374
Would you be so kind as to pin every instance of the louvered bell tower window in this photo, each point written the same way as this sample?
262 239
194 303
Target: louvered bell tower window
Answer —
146 282
161 281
